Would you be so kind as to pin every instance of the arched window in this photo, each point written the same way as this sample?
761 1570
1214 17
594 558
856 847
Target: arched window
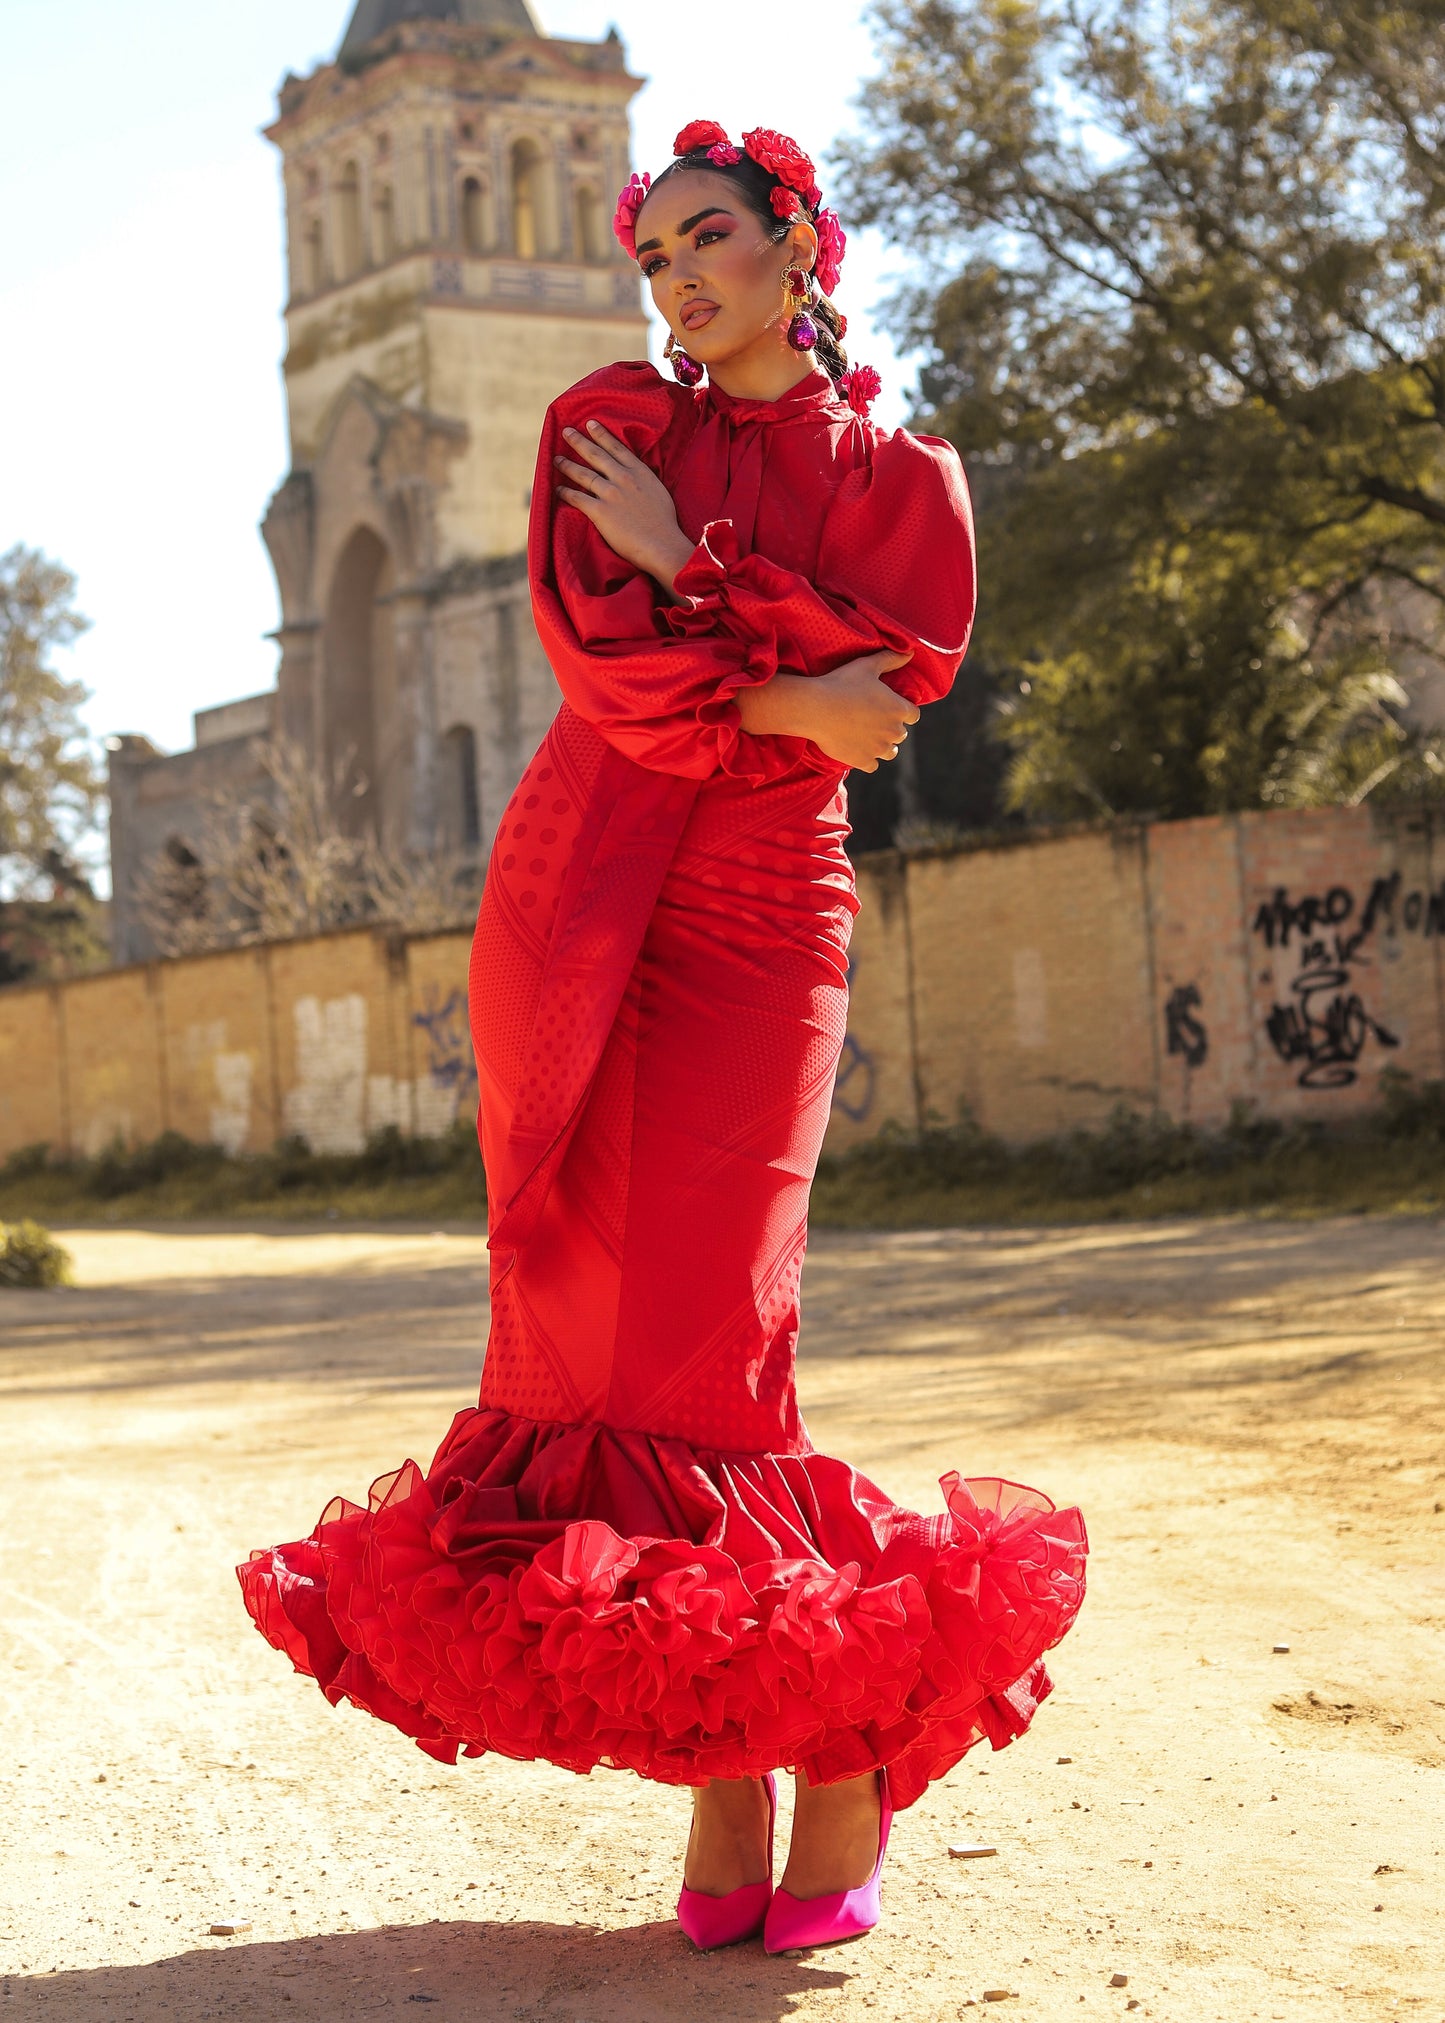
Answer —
348 222
383 225
359 670
460 803
311 267
526 200
474 217
588 210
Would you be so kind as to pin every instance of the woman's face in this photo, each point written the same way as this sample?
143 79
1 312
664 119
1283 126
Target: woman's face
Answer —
715 275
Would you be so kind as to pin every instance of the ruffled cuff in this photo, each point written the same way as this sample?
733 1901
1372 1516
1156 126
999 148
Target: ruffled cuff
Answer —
720 595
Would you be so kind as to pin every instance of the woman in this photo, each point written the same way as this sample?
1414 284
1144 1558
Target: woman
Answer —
629 1552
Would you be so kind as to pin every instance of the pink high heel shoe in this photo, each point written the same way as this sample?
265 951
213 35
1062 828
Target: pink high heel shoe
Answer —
726 1921
795 1922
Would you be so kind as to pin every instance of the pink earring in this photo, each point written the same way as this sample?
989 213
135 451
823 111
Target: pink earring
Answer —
802 331
685 370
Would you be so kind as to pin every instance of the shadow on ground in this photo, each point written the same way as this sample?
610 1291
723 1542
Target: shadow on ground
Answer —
642 1974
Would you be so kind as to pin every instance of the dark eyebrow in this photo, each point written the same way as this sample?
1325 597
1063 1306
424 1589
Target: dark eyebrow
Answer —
688 225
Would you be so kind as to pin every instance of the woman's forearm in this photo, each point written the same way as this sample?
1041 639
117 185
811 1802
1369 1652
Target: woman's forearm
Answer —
785 706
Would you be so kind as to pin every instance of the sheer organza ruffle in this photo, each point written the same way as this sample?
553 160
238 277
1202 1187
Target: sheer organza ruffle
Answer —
601 1597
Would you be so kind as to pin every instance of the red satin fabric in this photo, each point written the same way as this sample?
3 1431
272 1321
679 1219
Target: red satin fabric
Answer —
628 1552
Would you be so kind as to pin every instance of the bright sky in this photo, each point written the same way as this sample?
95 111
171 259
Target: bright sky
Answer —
141 289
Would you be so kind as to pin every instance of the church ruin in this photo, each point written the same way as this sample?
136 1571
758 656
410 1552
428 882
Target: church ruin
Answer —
450 268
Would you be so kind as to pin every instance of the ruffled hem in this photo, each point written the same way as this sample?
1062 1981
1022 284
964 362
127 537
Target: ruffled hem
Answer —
597 1597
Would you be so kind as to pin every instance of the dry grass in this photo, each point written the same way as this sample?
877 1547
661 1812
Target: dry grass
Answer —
955 1176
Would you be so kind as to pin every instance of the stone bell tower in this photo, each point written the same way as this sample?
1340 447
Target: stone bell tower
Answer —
448 182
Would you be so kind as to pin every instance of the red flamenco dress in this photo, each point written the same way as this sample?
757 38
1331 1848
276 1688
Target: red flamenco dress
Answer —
629 1552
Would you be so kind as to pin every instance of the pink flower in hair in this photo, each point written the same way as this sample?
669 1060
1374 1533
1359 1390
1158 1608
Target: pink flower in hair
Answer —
699 134
624 218
787 203
860 388
832 245
724 154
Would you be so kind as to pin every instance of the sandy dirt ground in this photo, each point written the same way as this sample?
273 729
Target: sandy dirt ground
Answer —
1251 1416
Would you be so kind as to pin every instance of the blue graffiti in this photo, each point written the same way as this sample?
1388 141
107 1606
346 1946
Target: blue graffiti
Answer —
856 1085
449 1045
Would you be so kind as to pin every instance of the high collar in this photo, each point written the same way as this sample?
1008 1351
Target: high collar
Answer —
811 394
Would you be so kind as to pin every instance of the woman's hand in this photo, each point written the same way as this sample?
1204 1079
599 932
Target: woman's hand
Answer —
851 714
627 503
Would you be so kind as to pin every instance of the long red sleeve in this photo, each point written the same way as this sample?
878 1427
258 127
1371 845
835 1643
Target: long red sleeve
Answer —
651 693
894 568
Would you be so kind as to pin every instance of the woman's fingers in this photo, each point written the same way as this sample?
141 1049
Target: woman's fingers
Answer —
578 473
605 440
593 453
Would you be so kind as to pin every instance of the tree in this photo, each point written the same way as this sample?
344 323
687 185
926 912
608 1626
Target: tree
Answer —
277 864
1185 318
50 786
50 790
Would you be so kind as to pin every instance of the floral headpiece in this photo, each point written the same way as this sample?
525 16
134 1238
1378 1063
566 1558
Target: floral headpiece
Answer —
797 196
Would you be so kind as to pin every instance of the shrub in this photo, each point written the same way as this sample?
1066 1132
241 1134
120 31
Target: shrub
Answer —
30 1256
1412 1109
25 1162
122 1169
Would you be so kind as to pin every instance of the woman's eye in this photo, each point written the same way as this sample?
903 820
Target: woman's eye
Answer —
651 267
707 235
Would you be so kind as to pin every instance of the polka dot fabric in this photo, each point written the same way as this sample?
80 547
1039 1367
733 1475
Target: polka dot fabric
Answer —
628 1552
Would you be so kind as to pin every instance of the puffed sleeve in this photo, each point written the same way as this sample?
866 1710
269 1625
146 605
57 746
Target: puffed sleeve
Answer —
656 694
895 569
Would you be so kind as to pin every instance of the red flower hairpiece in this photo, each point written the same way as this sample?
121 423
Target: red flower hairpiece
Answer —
624 218
698 135
797 193
781 156
860 387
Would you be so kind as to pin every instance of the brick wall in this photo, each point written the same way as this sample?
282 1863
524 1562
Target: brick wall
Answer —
1281 958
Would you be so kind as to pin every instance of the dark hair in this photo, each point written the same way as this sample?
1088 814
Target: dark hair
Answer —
755 185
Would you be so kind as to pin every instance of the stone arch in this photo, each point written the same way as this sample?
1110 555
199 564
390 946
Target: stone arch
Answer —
358 670
587 223
348 222
461 808
529 219
473 208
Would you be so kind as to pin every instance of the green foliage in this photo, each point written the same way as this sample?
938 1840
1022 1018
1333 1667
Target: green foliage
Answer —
50 787
1413 1109
29 1256
1186 320
943 1176
1140 1166
172 1175
48 939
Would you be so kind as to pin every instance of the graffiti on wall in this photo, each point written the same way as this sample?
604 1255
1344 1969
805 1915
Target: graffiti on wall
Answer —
447 1089
856 1083
1326 1024
1184 1030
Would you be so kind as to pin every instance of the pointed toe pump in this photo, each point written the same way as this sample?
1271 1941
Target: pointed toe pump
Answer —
711 1922
793 1923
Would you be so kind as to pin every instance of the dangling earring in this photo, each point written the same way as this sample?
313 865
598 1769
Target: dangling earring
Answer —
802 331
686 370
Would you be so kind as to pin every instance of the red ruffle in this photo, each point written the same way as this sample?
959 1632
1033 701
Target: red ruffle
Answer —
601 1597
